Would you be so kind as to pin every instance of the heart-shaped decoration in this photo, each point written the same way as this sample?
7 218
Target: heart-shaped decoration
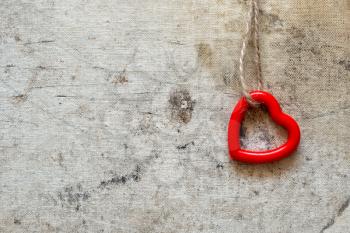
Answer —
277 116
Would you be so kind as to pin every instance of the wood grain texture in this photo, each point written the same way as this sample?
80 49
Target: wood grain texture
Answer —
114 117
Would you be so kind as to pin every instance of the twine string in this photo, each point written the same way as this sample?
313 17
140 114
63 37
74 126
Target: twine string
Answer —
252 30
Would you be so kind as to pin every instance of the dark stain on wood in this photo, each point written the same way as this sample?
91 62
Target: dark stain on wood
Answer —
345 64
17 221
184 146
73 196
181 105
123 179
205 54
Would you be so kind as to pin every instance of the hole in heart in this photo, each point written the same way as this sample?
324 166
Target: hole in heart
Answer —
259 132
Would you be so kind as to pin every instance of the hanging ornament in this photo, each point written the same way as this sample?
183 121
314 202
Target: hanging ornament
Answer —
253 98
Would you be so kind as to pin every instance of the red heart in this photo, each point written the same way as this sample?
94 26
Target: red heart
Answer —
277 115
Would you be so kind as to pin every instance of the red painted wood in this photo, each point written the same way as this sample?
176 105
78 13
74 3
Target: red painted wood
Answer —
277 115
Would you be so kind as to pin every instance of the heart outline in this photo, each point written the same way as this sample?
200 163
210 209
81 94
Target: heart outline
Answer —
277 115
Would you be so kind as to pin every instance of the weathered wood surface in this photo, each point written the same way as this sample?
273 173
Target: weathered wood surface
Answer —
114 114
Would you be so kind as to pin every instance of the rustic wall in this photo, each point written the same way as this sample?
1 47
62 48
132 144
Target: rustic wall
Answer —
114 115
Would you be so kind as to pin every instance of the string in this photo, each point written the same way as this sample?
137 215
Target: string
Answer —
252 29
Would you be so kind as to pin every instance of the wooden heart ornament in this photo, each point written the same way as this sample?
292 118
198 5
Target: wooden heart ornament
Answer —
277 116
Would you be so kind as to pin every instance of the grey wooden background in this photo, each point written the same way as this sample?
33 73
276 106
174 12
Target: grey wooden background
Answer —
114 114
